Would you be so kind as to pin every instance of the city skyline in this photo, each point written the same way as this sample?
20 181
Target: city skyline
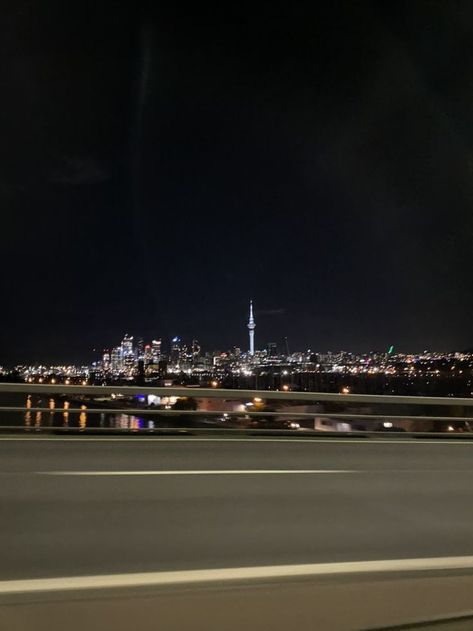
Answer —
134 346
272 365
135 362
161 349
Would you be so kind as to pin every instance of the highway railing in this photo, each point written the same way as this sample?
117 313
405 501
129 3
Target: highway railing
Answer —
144 409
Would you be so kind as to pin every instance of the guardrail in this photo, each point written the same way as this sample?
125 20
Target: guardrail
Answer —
222 393
341 413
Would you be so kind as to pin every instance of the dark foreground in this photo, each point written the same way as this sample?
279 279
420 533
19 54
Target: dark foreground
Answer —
360 501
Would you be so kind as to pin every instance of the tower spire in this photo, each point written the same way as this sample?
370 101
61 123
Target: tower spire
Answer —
251 329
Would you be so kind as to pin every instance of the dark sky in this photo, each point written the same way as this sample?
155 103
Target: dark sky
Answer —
159 169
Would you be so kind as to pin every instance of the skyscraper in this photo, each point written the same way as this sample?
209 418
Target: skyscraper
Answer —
116 359
106 360
127 345
156 351
148 354
176 349
251 328
128 355
195 349
140 348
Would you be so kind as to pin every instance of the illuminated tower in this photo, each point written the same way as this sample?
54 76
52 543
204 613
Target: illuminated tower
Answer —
251 329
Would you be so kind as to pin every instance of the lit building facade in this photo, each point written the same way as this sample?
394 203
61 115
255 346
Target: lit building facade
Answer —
156 351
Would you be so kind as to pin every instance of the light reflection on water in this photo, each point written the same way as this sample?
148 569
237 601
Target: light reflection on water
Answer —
82 419
125 421
28 413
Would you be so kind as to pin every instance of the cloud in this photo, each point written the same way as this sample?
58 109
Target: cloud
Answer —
74 171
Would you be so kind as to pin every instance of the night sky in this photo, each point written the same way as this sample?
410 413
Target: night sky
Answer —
159 168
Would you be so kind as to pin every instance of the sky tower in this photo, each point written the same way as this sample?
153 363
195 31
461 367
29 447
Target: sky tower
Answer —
251 329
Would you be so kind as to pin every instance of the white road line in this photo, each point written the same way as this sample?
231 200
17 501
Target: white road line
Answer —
149 579
250 439
196 472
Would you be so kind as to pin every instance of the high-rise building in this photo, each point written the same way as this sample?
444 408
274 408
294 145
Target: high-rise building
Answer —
128 355
106 360
156 351
116 360
127 345
195 349
251 329
272 349
175 349
140 349
148 354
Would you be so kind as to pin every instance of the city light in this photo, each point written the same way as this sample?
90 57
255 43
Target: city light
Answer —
185 363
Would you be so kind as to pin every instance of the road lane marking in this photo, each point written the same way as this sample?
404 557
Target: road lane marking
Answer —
196 472
168 578
139 440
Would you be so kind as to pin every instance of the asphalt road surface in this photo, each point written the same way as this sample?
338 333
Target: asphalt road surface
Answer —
88 507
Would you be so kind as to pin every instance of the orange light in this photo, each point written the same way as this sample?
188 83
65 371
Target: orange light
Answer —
285 387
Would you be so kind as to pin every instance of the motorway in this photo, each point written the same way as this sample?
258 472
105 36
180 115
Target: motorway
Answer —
115 507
